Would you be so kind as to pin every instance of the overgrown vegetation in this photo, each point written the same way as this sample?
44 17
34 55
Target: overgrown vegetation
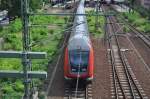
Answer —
138 21
14 6
43 38
144 12
95 30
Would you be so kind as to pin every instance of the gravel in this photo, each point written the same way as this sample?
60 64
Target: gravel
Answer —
140 71
56 88
101 82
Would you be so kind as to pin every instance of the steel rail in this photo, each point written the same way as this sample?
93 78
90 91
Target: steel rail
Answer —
76 90
139 56
133 88
116 41
146 39
136 31
139 32
127 72
131 27
115 75
114 70
111 54
140 94
122 60
83 91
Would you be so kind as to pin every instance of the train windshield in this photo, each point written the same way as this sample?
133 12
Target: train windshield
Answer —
79 58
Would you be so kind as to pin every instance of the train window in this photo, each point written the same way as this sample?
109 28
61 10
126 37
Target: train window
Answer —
79 58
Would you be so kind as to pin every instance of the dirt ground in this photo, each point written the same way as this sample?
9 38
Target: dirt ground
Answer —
140 71
56 85
101 82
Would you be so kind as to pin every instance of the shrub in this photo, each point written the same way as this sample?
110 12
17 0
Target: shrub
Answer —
15 26
1 28
19 87
136 20
7 89
48 42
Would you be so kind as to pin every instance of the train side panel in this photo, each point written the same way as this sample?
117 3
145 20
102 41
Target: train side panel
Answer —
91 64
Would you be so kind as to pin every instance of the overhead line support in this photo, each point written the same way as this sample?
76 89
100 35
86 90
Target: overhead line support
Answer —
74 14
25 38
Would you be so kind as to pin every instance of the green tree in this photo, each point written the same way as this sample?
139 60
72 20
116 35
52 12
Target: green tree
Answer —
14 6
35 4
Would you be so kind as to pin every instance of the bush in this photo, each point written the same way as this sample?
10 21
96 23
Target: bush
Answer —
39 33
147 28
15 26
19 87
12 41
1 28
35 4
48 40
91 25
7 89
139 22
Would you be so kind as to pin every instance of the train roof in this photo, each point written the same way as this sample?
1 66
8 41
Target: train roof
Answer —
79 38
79 42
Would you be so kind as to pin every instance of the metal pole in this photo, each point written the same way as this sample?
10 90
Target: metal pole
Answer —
96 17
105 30
25 38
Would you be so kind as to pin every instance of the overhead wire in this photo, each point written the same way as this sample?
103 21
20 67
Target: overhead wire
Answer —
78 75
79 67
33 43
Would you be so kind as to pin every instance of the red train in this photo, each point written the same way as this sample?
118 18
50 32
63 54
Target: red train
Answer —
79 54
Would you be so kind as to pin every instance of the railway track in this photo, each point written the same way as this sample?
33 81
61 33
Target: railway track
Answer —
145 39
124 83
83 91
141 35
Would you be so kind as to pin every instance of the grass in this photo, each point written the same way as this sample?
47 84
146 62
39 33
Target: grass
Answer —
91 25
138 21
44 39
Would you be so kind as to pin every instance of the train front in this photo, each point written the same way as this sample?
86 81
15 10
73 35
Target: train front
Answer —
79 59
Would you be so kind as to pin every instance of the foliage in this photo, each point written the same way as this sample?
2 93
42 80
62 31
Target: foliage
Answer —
15 26
47 19
43 38
8 88
139 22
18 86
10 64
1 28
14 6
144 12
12 36
91 25
34 4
